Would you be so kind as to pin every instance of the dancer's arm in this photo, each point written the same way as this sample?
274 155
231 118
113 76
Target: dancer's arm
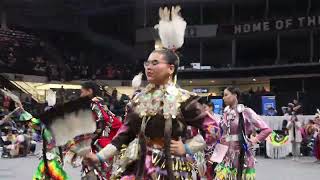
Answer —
125 135
194 115
99 121
107 152
257 121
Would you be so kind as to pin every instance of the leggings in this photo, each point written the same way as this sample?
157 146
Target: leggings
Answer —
296 149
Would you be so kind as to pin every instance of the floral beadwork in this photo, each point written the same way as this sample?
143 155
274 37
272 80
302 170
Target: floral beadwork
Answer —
167 99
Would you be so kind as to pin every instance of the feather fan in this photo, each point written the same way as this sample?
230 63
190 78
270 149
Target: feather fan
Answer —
51 97
136 81
70 120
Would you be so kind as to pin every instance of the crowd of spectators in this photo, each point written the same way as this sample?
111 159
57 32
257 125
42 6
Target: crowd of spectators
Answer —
18 139
22 58
87 67
79 64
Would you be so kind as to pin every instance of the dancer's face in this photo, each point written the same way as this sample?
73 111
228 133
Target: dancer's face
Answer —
229 98
206 107
157 69
86 92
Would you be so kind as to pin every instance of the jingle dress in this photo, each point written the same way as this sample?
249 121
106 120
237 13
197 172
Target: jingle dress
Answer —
227 169
152 109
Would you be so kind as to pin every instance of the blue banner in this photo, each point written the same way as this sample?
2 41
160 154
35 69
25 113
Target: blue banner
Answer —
218 106
268 105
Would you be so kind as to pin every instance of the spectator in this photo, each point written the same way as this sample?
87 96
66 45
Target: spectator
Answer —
271 111
296 107
98 72
114 101
258 91
295 136
110 72
251 92
263 90
61 95
6 102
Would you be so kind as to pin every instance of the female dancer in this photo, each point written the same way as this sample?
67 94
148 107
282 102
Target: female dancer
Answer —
238 124
159 118
315 129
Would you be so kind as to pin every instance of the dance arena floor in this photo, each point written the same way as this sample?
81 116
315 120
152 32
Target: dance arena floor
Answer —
267 169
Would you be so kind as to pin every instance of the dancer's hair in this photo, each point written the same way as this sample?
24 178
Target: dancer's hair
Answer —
241 131
235 90
93 86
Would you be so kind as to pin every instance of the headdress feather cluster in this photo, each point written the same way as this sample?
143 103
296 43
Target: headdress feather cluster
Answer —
171 27
317 114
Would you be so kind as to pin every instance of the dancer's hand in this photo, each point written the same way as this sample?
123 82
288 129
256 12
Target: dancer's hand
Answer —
19 104
177 148
97 99
6 118
254 140
91 159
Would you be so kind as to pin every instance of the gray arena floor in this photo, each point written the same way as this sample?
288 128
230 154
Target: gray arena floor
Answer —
267 169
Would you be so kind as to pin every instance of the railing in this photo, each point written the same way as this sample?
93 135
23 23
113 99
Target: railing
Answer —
29 90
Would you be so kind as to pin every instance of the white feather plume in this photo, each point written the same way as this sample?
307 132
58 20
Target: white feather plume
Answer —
136 81
72 125
11 95
51 97
318 113
171 27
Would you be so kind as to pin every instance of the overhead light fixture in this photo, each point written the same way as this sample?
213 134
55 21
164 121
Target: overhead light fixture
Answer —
254 80
213 81
190 82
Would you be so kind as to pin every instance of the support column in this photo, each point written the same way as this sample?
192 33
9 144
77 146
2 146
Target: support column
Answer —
140 14
201 13
201 52
266 11
233 12
4 19
234 41
309 7
278 49
234 52
201 42
311 37
145 13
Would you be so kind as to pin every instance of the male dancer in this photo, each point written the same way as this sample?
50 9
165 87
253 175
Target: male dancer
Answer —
107 127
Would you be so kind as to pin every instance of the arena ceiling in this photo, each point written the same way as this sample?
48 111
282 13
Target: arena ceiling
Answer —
44 7
70 16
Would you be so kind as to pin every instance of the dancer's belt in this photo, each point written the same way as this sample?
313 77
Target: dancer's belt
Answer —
231 138
179 163
157 143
